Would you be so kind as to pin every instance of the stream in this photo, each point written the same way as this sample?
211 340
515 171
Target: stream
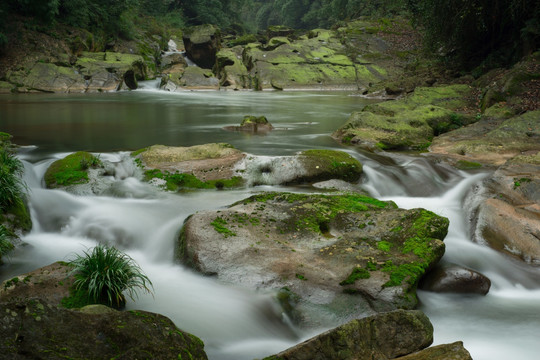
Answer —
237 323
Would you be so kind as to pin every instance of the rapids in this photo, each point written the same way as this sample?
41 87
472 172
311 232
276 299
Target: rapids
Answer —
237 323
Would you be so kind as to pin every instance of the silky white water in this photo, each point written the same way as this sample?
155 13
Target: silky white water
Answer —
237 323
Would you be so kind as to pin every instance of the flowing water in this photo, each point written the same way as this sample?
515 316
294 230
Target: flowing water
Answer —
237 323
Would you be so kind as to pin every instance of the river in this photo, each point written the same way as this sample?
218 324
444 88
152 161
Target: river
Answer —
238 323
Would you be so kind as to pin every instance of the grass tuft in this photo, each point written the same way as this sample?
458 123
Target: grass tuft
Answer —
104 273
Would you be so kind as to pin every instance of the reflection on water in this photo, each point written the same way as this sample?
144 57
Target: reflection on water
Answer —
133 120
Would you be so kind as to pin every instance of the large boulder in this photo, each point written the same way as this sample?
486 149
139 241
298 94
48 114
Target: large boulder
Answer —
33 328
408 123
38 326
340 253
202 44
383 336
230 69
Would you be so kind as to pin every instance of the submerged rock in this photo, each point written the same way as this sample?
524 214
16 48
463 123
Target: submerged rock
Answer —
253 124
383 336
349 253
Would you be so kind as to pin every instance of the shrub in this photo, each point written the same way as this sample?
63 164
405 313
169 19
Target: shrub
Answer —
104 273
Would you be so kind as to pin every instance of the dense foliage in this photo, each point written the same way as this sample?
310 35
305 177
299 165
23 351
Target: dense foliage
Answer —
310 14
104 273
11 189
471 31
466 32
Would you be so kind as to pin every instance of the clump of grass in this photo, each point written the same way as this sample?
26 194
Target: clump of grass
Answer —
104 273
11 189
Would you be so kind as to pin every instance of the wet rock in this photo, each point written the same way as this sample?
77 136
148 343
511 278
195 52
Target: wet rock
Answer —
345 253
508 211
305 167
34 328
455 279
407 123
384 336
454 351
202 44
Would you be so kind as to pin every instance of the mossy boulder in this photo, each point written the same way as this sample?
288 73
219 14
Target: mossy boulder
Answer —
36 329
202 43
347 253
191 78
230 69
492 141
383 336
47 77
408 123
90 72
107 71
71 170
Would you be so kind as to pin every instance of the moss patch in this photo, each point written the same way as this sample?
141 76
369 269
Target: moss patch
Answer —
338 163
73 169
177 181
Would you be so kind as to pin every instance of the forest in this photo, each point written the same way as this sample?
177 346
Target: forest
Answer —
463 33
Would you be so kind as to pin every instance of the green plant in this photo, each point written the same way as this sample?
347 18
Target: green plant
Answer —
11 189
104 273
5 241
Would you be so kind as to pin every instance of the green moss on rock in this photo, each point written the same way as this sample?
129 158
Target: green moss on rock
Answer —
338 164
73 169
